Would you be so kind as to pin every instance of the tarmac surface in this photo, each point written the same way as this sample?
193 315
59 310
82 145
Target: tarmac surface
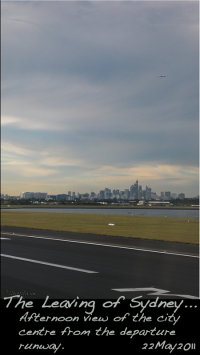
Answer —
37 263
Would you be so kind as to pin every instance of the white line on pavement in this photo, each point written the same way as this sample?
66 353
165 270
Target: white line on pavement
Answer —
153 291
49 264
105 245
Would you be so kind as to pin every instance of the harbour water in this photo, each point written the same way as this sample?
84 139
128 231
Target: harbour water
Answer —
171 213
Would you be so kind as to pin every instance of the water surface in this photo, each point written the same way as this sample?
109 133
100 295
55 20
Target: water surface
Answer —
120 212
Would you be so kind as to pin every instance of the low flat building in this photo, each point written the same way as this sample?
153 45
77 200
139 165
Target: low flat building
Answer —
33 195
140 203
159 203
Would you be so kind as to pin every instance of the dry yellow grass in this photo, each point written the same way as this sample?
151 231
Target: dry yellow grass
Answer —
156 228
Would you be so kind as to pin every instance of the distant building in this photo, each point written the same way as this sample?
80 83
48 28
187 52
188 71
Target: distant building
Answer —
159 203
154 195
51 197
148 193
139 192
127 193
181 196
134 190
140 203
165 198
33 195
102 194
167 194
86 195
108 193
61 197
173 195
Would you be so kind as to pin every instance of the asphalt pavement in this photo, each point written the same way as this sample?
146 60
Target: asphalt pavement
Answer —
37 263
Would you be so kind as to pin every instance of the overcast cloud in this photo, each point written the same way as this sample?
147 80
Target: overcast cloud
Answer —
83 106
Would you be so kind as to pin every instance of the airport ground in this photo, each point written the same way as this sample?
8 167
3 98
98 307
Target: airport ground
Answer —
180 230
37 262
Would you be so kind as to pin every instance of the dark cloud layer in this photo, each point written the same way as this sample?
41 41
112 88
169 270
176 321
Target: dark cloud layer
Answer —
83 77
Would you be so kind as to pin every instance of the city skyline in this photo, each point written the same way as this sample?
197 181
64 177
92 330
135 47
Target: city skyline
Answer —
99 94
135 191
81 192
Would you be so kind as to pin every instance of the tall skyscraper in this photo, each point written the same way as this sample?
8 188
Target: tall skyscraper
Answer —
148 193
134 190
102 194
127 192
168 194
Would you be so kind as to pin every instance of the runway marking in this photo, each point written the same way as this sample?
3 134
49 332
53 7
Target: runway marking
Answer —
49 264
105 245
4 238
157 291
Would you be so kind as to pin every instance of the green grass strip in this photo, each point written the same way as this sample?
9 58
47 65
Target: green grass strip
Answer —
154 228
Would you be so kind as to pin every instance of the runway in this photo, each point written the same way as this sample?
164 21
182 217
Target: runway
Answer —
36 263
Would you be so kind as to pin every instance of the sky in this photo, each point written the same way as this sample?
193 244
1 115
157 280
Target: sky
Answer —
83 106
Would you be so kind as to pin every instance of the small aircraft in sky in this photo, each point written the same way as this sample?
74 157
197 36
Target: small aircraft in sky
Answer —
162 76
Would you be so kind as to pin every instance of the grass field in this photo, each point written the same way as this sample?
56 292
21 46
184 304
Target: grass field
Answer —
156 228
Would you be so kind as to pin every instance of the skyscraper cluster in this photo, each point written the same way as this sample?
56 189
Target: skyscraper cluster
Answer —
135 192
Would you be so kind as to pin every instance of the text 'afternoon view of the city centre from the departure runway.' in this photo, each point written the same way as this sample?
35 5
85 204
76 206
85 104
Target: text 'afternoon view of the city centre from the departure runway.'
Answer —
134 193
